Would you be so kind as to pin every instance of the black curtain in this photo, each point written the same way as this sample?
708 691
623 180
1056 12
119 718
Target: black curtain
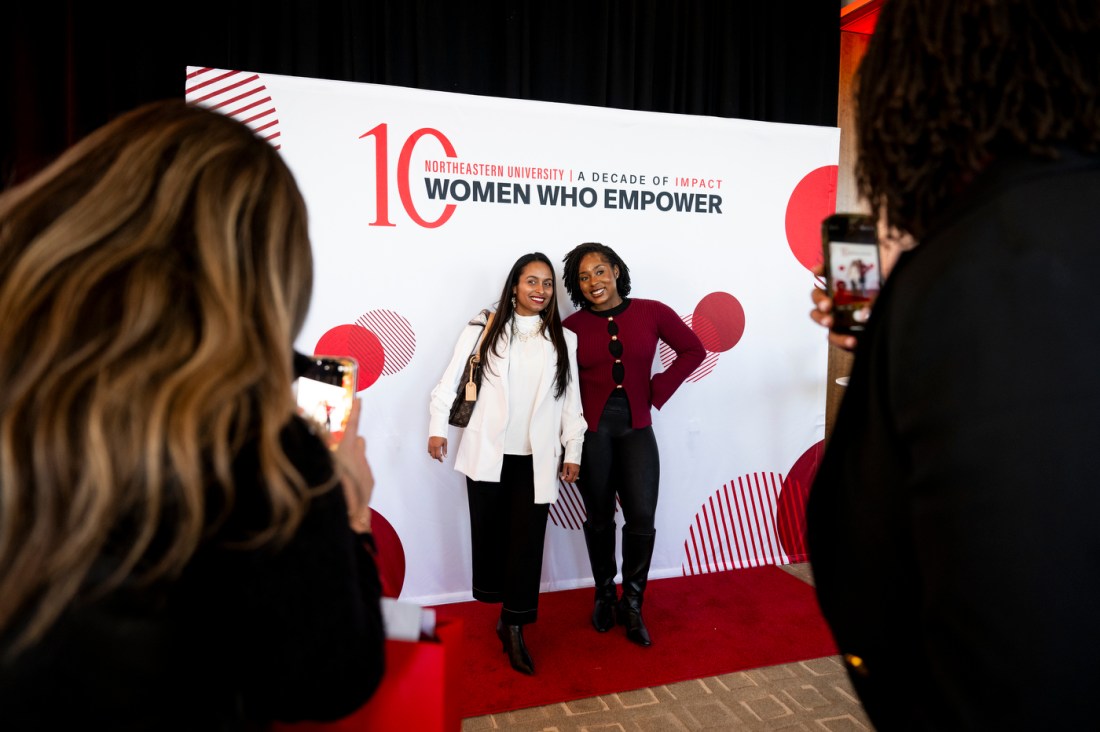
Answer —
73 65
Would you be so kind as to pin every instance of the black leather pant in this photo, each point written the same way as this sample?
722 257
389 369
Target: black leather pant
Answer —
618 459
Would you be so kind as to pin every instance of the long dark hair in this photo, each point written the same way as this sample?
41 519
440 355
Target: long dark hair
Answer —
500 330
571 273
946 86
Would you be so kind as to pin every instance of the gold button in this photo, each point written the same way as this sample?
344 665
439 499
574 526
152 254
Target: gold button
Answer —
614 338
855 663
610 318
618 360
618 386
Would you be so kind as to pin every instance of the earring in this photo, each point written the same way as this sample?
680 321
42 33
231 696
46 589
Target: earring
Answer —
513 302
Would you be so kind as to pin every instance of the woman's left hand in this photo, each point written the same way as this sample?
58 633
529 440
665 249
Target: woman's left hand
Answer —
569 472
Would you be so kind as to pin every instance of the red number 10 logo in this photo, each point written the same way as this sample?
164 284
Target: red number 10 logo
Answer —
381 175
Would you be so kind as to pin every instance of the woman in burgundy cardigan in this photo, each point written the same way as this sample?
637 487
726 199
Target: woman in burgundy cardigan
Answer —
616 342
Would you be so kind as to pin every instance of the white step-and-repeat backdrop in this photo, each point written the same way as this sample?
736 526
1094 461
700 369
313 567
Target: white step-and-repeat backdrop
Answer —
419 203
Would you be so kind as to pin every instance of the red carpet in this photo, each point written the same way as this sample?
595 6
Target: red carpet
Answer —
704 625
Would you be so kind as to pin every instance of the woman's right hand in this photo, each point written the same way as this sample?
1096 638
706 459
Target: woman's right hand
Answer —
437 448
822 314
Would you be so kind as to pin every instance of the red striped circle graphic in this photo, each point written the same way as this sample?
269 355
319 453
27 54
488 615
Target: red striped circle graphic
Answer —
237 94
396 335
668 356
737 527
569 512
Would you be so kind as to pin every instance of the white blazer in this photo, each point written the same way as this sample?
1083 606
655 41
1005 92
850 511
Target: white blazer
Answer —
555 423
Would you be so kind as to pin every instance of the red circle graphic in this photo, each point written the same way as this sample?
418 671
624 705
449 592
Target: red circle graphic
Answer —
791 510
391 555
359 343
719 321
812 200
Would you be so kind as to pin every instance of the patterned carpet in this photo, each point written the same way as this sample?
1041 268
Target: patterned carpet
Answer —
807 695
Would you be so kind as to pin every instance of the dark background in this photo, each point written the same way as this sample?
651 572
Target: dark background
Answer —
70 66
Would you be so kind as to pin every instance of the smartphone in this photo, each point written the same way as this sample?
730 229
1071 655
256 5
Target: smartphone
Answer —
325 393
853 271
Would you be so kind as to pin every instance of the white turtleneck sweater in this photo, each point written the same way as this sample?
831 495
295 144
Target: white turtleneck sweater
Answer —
525 363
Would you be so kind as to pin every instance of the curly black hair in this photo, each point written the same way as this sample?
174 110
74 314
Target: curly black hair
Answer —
571 271
945 87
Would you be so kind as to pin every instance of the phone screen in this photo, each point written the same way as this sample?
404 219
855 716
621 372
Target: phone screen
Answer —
852 269
326 392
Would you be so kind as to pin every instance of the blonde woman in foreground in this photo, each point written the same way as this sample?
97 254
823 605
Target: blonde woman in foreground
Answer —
175 544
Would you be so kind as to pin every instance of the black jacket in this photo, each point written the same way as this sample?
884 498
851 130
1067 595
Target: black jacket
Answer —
242 637
953 522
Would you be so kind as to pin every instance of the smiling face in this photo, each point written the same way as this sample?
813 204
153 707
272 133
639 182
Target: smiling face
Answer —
596 278
535 289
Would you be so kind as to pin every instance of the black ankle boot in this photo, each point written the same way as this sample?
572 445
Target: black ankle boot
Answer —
601 555
629 611
637 554
511 642
603 610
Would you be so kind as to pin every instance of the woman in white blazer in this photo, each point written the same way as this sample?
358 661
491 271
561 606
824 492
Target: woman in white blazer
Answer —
528 412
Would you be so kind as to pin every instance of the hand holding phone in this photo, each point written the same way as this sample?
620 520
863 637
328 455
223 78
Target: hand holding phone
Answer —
822 312
355 473
325 393
853 271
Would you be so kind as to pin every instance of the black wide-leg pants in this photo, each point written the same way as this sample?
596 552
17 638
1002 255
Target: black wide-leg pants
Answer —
507 531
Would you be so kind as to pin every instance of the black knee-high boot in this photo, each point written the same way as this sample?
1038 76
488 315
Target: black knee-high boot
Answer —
601 555
637 555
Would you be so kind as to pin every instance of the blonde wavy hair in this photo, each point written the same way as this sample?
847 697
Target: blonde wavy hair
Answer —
152 281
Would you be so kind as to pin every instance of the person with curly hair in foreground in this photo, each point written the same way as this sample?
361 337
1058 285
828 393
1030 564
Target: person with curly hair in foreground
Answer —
951 526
